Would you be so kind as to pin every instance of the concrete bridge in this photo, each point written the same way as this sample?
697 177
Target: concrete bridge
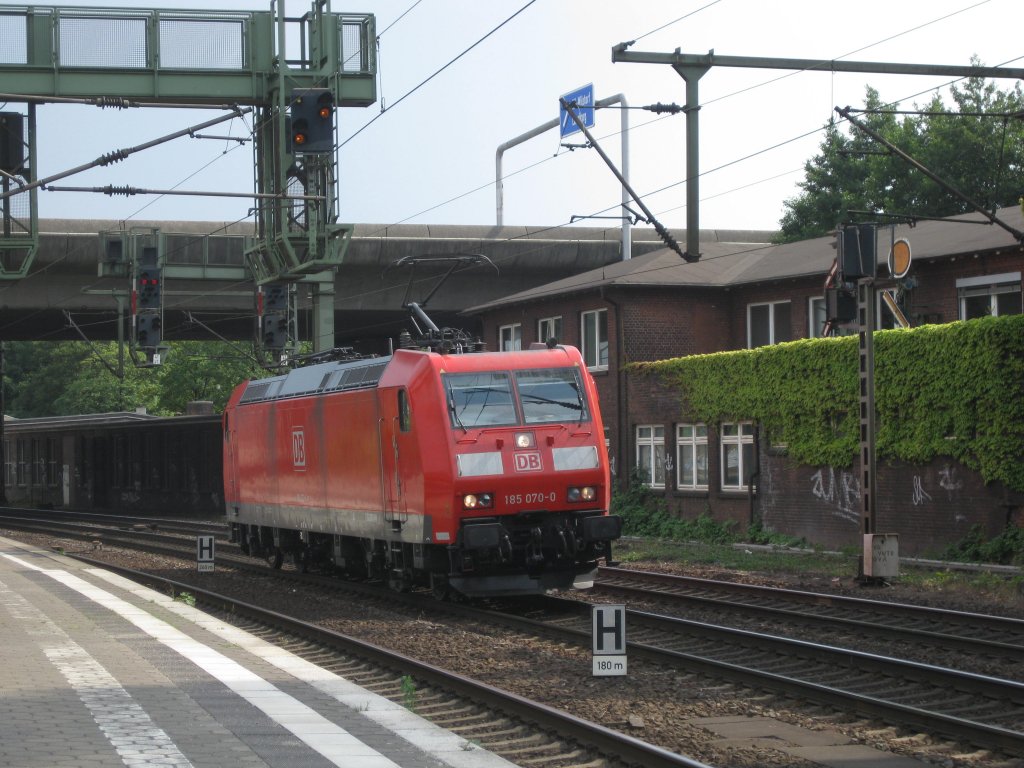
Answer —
79 277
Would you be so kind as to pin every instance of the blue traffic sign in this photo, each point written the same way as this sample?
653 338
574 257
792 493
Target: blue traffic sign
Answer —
583 99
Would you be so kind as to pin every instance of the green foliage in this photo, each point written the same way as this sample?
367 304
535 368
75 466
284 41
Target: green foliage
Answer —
756 534
1007 548
48 379
409 693
202 370
940 390
976 155
187 598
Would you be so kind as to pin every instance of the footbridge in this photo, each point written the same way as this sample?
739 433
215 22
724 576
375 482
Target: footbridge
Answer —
80 283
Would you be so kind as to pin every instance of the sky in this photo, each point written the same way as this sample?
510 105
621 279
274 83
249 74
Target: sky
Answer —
429 157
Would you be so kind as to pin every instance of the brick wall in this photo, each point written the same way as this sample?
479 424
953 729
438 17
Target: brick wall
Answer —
929 506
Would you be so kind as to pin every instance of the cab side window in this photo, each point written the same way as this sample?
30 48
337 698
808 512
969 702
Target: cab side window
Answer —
404 411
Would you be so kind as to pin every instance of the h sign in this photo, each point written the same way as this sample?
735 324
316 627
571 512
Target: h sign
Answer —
609 629
204 552
609 659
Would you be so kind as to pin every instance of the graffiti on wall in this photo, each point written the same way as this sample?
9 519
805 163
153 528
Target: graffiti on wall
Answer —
919 495
842 494
948 482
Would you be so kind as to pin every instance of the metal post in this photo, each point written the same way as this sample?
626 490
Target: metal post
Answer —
866 333
692 76
323 314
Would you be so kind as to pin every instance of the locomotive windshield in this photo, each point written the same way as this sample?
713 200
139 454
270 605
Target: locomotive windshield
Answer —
532 396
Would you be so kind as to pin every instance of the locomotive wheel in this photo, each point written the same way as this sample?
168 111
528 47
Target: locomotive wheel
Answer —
275 557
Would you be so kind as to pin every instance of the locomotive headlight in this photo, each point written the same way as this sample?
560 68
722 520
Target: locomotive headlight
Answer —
525 440
477 501
584 493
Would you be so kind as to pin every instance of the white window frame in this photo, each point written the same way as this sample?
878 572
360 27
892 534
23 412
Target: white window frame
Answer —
595 354
549 327
744 436
510 337
773 336
650 442
692 439
817 311
986 285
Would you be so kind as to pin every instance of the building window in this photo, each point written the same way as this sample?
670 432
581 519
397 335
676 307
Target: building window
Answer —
38 464
9 464
692 457
549 328
53 468
737 445
510 338
650 455
816 316
989 295
22 463
768 323
594 333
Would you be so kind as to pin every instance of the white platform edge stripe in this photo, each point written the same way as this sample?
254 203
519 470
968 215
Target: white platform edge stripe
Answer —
442 744
138 741
330 740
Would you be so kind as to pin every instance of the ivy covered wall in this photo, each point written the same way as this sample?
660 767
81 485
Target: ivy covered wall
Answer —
952 390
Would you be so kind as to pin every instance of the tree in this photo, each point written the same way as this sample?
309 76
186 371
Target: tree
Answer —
970 148
59 379
198 370
63 378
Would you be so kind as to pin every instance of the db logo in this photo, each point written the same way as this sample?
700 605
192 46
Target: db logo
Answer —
528 462
298 448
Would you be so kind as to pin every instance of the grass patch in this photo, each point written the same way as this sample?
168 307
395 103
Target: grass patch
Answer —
737 558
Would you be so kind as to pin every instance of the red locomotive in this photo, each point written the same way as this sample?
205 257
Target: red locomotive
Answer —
481 473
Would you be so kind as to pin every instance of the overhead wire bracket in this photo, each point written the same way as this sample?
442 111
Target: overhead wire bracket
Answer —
663 233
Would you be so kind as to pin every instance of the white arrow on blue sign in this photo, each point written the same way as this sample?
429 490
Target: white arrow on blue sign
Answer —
583 98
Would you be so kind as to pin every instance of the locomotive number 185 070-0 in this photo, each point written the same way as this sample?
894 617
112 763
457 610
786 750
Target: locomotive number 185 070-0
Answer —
531 498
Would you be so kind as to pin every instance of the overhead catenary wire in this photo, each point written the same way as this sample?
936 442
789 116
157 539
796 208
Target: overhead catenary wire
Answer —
410 92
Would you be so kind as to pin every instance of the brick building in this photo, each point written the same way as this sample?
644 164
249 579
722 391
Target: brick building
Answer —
743 295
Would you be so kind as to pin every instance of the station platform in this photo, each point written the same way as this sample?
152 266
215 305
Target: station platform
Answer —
99 671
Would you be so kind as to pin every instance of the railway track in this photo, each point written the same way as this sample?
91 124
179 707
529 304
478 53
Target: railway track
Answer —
114 522
984 711
519 729
972 634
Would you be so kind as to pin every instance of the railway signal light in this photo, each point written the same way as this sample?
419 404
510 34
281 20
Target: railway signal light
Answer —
149 289
312 121
147 329
857 252
12 142
275 316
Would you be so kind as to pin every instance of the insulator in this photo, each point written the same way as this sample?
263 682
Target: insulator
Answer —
113 157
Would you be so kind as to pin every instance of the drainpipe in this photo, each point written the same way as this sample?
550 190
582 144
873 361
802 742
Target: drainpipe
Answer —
755 473
621 391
